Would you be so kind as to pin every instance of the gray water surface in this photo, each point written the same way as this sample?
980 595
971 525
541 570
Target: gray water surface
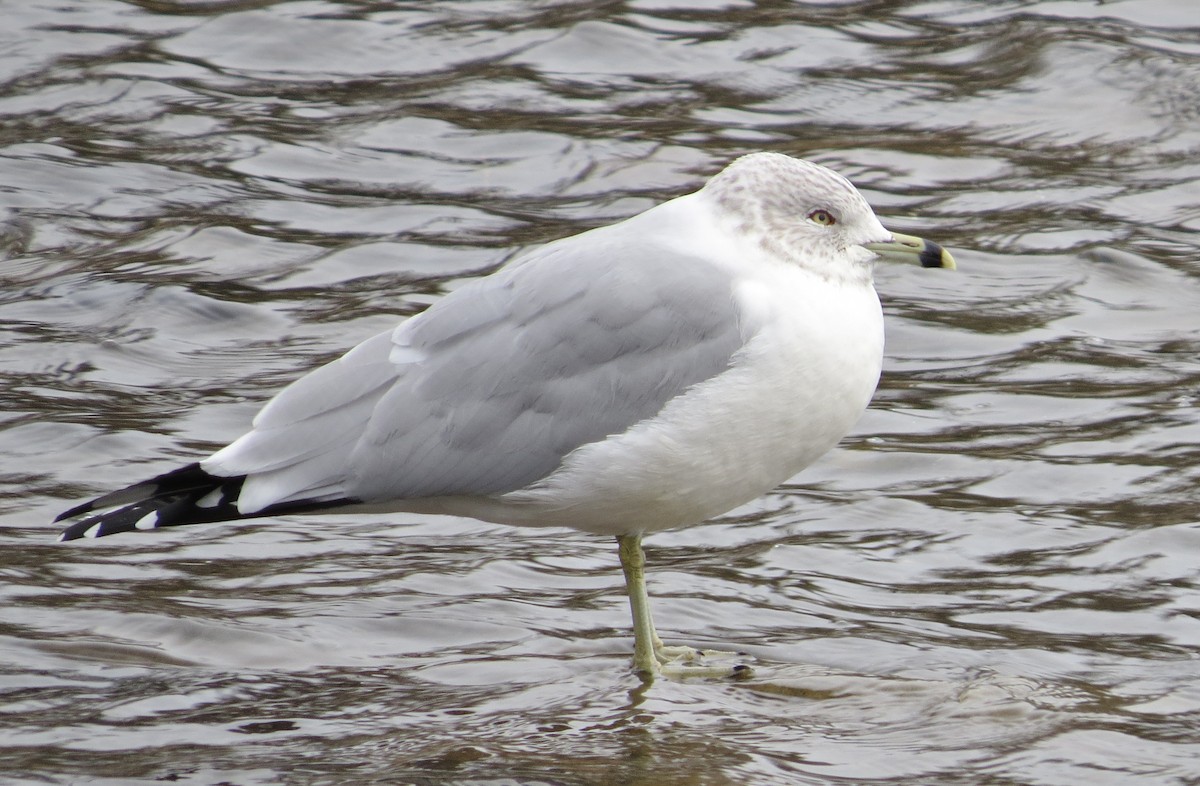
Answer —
993 580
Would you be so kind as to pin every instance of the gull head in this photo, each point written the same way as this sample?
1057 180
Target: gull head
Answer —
808 215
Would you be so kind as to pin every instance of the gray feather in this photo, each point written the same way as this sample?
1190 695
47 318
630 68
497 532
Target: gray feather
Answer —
577 347
499 381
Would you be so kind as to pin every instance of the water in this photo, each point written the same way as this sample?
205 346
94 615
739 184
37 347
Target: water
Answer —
993 580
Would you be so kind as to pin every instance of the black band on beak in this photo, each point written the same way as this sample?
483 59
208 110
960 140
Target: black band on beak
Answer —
932 255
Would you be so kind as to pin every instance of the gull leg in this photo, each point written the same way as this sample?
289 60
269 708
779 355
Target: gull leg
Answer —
645 639
650 657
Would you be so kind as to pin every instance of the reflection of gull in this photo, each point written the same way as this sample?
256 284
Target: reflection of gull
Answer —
640 376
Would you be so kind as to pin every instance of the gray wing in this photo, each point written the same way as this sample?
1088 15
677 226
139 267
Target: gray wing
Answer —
489 388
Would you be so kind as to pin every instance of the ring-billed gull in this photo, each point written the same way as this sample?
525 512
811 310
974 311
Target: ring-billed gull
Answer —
641 376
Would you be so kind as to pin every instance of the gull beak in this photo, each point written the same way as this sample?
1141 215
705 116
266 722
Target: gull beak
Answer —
914 250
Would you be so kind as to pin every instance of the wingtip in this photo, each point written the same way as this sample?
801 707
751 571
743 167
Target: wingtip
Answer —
73 512
74 532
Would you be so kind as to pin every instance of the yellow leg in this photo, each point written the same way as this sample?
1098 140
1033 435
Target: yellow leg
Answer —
650 657
645 638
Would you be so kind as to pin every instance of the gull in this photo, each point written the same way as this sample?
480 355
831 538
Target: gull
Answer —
638 377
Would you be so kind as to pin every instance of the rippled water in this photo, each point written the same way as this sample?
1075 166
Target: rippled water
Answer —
993 580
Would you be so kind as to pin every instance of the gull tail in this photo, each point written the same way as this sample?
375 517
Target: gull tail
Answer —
188 495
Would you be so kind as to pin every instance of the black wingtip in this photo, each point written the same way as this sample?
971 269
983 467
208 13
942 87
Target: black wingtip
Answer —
77 530
78 510
150 514
187 495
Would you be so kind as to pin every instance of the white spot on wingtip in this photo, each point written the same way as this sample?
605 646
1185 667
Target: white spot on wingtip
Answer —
211 499
149 521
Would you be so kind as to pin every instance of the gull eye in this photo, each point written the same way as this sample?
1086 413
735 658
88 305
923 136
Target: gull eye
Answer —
822 217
